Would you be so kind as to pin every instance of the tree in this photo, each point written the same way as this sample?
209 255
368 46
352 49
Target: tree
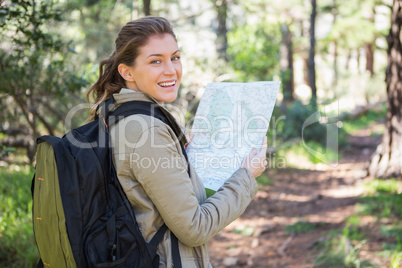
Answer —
147 7
254 51
37 84
387 160
221 7
311 61
286 63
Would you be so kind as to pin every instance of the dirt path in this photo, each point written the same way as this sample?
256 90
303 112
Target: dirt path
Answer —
322 194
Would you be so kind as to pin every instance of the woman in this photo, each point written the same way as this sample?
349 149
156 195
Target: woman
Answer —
149 161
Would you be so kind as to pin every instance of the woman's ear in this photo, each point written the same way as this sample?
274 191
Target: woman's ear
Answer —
125 72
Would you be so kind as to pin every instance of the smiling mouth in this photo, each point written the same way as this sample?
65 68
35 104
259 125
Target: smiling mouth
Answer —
167 84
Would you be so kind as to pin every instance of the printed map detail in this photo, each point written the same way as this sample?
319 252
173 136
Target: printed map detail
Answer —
231 119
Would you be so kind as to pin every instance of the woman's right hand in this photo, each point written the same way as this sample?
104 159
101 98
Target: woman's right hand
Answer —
256 161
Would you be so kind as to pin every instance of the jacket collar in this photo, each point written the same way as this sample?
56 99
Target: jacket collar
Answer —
126 95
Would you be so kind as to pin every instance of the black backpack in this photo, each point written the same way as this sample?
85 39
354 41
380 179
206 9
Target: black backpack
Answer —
81 215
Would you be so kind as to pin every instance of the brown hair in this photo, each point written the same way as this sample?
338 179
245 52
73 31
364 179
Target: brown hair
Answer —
131 38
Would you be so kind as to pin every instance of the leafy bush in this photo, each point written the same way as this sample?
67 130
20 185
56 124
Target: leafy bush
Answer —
299 155
301 227
372 116
17 246
263 180
339 251
296 116
254 51
383 199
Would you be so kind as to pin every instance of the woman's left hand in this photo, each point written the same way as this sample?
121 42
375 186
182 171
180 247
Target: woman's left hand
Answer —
189 137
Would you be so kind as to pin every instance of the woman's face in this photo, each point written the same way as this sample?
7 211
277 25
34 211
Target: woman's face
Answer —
157 69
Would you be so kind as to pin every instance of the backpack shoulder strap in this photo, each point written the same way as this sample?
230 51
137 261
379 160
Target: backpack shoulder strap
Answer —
146 108
151 109
136 107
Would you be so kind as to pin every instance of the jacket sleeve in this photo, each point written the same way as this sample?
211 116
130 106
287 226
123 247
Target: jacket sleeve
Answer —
162 172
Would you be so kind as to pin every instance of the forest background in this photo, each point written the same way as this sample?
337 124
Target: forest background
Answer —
333 58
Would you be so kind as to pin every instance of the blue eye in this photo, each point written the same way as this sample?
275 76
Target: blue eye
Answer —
176 58
155 61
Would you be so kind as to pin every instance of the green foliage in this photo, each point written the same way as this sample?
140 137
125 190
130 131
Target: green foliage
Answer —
38 79
305 135
302 227
263 180
94 26
393 252
254 51
393 231
17 245
296 115
353 220
383 199
339 251
372 116
319 154
299 155
360 31
353 232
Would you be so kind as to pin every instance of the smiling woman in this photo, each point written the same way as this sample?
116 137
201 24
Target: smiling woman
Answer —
157 69
149 153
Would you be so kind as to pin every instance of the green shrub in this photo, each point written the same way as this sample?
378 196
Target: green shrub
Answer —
299 155
361 122
263 180
17 246
296 116
301 227
339 251
383 199
353 233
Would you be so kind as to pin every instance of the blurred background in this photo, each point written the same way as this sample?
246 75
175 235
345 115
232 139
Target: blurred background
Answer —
331 197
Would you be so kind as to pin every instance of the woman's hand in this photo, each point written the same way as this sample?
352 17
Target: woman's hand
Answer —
189 138
255 161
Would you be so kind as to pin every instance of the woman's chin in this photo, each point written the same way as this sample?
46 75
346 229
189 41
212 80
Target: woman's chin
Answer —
167 98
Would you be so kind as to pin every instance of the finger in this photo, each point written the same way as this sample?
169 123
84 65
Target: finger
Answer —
254 151
190 137
264 147
265 142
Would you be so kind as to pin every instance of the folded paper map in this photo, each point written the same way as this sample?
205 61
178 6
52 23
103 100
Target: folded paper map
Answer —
231 119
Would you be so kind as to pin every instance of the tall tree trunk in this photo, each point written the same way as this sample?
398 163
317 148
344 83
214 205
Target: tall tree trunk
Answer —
147 7
286 63
387 160
368 47
305 70
221 7
311 62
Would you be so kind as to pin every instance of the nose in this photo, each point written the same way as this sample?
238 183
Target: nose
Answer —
169 68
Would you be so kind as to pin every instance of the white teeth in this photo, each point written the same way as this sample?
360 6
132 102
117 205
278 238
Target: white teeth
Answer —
167 84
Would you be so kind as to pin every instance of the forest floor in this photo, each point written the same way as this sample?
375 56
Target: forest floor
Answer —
322 195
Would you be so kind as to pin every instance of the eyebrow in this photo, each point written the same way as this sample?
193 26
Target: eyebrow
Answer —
159 55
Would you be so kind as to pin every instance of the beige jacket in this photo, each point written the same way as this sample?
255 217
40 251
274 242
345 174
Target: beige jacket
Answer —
153 172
